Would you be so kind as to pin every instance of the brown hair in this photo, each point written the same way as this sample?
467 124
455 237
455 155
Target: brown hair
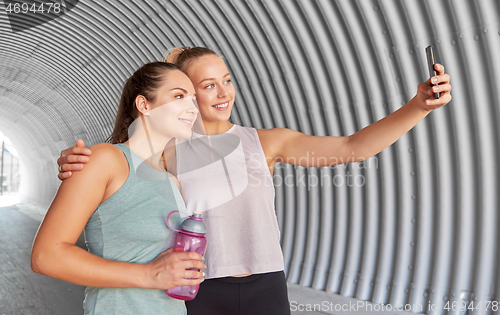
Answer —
182 56
145 81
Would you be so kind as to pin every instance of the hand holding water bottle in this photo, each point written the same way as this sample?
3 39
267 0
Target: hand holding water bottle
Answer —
172 269
190 239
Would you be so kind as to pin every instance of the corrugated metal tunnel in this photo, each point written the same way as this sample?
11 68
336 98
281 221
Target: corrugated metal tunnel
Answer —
417 224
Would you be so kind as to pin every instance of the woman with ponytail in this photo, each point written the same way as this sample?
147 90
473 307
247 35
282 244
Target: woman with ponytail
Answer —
244 260
121 200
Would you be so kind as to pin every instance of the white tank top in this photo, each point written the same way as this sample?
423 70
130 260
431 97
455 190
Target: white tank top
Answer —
226 177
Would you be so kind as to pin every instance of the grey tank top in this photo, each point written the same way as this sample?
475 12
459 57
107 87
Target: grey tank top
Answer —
130 226
226 177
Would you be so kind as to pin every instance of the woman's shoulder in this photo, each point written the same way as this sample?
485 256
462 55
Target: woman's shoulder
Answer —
104 162
104 153
105 149
272 139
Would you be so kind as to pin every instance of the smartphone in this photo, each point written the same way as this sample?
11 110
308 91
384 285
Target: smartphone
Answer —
430 64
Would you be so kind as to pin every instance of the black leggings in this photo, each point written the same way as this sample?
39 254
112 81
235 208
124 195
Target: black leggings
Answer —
259 294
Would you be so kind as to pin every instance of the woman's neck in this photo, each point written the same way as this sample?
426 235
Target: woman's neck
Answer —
212 128
148 150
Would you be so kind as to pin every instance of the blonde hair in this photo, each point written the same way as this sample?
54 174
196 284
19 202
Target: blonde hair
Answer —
183 56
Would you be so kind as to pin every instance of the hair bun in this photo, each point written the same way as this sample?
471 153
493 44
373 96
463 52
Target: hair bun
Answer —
182 56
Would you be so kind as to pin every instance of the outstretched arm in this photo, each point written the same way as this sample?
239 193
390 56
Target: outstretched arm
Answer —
288 146
54 252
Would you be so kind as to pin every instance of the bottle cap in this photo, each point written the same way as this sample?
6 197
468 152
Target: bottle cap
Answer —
194 224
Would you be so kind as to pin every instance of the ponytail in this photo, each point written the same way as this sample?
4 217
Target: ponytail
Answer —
173 54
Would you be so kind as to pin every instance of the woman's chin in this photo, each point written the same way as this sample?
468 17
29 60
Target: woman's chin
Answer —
184 135
216 116
222 116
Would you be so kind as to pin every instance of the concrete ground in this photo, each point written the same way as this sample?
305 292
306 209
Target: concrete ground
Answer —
23 292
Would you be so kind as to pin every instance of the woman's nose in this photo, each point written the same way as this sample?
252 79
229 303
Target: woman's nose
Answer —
192 108
222 91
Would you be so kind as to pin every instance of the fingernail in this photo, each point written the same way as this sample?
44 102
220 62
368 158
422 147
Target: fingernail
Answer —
87 151
434 80
435 89
79 166
429 91
84 159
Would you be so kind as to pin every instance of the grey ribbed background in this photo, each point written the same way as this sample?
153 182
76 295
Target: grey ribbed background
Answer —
418 223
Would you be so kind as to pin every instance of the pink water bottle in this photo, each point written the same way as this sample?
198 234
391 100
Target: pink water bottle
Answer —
190 238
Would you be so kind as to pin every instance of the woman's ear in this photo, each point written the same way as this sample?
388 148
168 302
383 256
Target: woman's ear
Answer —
142 104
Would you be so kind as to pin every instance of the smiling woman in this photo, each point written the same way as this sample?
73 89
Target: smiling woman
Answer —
243 240
127 266
244 259
215 92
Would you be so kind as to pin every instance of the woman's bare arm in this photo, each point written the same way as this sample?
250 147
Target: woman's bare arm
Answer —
54 252
288 146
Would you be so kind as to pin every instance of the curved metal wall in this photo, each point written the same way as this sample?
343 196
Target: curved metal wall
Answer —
416 224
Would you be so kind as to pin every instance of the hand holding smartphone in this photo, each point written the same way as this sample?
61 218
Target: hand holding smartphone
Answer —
430 64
